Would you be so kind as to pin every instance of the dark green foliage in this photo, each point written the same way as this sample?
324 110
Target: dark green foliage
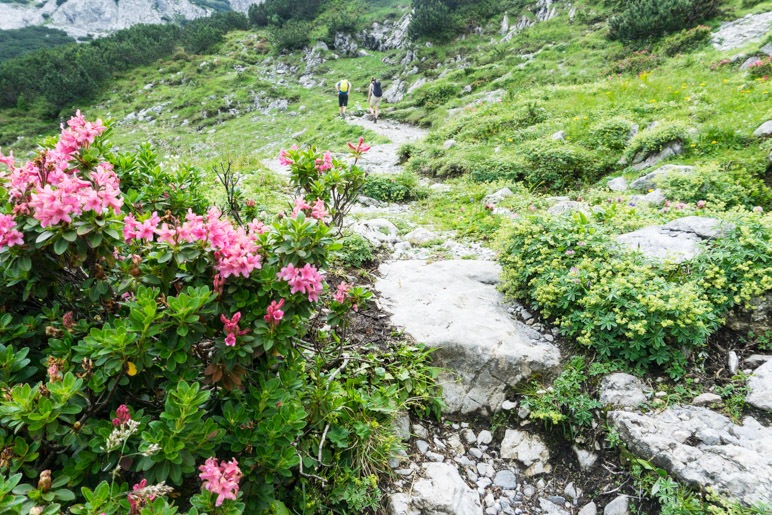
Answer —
557 166
732 188
497 167
685 41
431 19
612 134
356 251
636 63
279 12
292 35
443 19
215 5
645 19
434 95
55 78
16 42
393 188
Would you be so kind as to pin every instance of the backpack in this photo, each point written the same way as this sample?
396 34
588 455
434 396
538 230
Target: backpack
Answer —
344 86
377 91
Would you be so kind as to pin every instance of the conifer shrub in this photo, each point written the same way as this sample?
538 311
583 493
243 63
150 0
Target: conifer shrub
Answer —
436 94
645 19
402 187
654 140
716 187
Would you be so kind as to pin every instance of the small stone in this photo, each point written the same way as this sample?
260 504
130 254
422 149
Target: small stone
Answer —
422 445
586 459
733 362
475 452
490 511
439 443
489 500
485 437
589 509
483 482
572 491
436 457
557 499
706 399
523 412
505 479
508 405
618 506
469 436
529 491
420 431
404 472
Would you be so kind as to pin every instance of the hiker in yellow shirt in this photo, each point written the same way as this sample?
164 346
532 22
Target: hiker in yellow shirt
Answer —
342 88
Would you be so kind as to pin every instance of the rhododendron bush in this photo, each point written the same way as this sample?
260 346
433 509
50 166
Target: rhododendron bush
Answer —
144 352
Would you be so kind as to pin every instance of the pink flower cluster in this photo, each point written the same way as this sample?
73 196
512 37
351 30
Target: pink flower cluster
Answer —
274 313
231 327
284 158
360 148
122 415
304 280
9 236
235 249
343 290
221 479
324 164
52 191
138 501
317 210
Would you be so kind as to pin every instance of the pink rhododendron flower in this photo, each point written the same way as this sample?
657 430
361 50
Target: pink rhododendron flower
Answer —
700 204
303 280
758 209
221 479
165 234
284 158
324 164
231 328
360 148
9 235
318 210
300 205
122 415
340 295
274 313
217 284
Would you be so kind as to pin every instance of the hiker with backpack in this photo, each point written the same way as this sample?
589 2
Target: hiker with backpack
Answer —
342 88
374 95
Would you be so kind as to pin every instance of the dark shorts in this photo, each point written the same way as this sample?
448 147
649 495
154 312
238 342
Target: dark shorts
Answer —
342 99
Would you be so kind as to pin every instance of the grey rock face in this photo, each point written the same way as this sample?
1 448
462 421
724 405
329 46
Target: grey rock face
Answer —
420 235
749 62
395 92
742 31
589 509
618 184
386 36
678 240
706 399
345 44
622 390
585 458
619 506
649 181
453 307
495 198
757 319
704 449
642 161
760 387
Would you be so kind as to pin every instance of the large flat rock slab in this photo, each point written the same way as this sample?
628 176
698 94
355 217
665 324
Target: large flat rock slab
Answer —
454 307
703 448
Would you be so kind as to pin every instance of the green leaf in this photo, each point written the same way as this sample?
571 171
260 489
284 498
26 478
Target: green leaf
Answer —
70 236
60 247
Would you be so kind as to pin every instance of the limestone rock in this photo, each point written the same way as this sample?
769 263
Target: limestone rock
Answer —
738 33
441 491
619 506
622 390
387 35
655 198
704 449
706 399
618 184
760 387
589 509
757 319
449 144
526 449
550 508
749 62
764 130
395 92
649 181
454 308
559 136
377 231
678 240
642 161
569 206
495 198
585 458
420 236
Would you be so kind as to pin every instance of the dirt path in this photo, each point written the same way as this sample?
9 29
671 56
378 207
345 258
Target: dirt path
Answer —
383 158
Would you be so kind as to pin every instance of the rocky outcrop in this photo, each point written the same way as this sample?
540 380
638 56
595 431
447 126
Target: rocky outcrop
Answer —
760 388
81 18
387 35
454 308
441 491
623 390
740 32
649 181
678 240
703 448
756 319
643 160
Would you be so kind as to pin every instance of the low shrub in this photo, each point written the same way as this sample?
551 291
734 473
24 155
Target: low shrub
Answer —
685 41
718 188
497 167
654 140
402 187
761 68
622 305
436 94
638 62
293 35
356 251
612 134
558 166
644 19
